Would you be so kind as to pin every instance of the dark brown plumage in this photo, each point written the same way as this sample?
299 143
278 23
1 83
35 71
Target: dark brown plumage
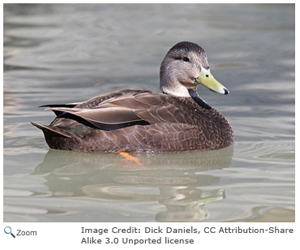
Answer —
143 121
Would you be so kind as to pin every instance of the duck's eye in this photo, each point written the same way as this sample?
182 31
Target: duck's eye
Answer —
186 59
207 76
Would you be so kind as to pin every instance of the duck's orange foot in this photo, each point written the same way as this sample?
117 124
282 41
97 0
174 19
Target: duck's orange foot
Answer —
131 158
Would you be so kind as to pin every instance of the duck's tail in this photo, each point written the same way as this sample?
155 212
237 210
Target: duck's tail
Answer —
52 130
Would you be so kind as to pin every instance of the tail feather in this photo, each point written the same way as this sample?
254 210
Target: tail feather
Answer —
57 131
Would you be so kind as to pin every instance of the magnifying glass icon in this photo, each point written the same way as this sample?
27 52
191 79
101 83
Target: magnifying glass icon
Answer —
8 230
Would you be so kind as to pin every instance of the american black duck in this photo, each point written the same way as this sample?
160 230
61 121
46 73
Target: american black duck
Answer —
142 121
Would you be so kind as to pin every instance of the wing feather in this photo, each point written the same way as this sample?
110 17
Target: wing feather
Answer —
125 110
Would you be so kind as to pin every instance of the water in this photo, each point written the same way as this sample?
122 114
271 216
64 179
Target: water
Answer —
70 53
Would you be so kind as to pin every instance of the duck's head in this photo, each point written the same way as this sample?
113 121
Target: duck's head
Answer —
183 68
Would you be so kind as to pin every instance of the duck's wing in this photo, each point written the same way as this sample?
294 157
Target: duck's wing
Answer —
126 110
67 105
98 100
103 118
109 97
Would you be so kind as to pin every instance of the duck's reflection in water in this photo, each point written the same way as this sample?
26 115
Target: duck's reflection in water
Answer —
177 181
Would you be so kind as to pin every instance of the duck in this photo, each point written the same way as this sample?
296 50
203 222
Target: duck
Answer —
135 120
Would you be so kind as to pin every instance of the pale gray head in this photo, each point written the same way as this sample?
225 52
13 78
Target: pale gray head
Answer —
183 68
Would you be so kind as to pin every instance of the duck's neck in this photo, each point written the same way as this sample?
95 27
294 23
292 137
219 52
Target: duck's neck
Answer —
179 91
174 88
